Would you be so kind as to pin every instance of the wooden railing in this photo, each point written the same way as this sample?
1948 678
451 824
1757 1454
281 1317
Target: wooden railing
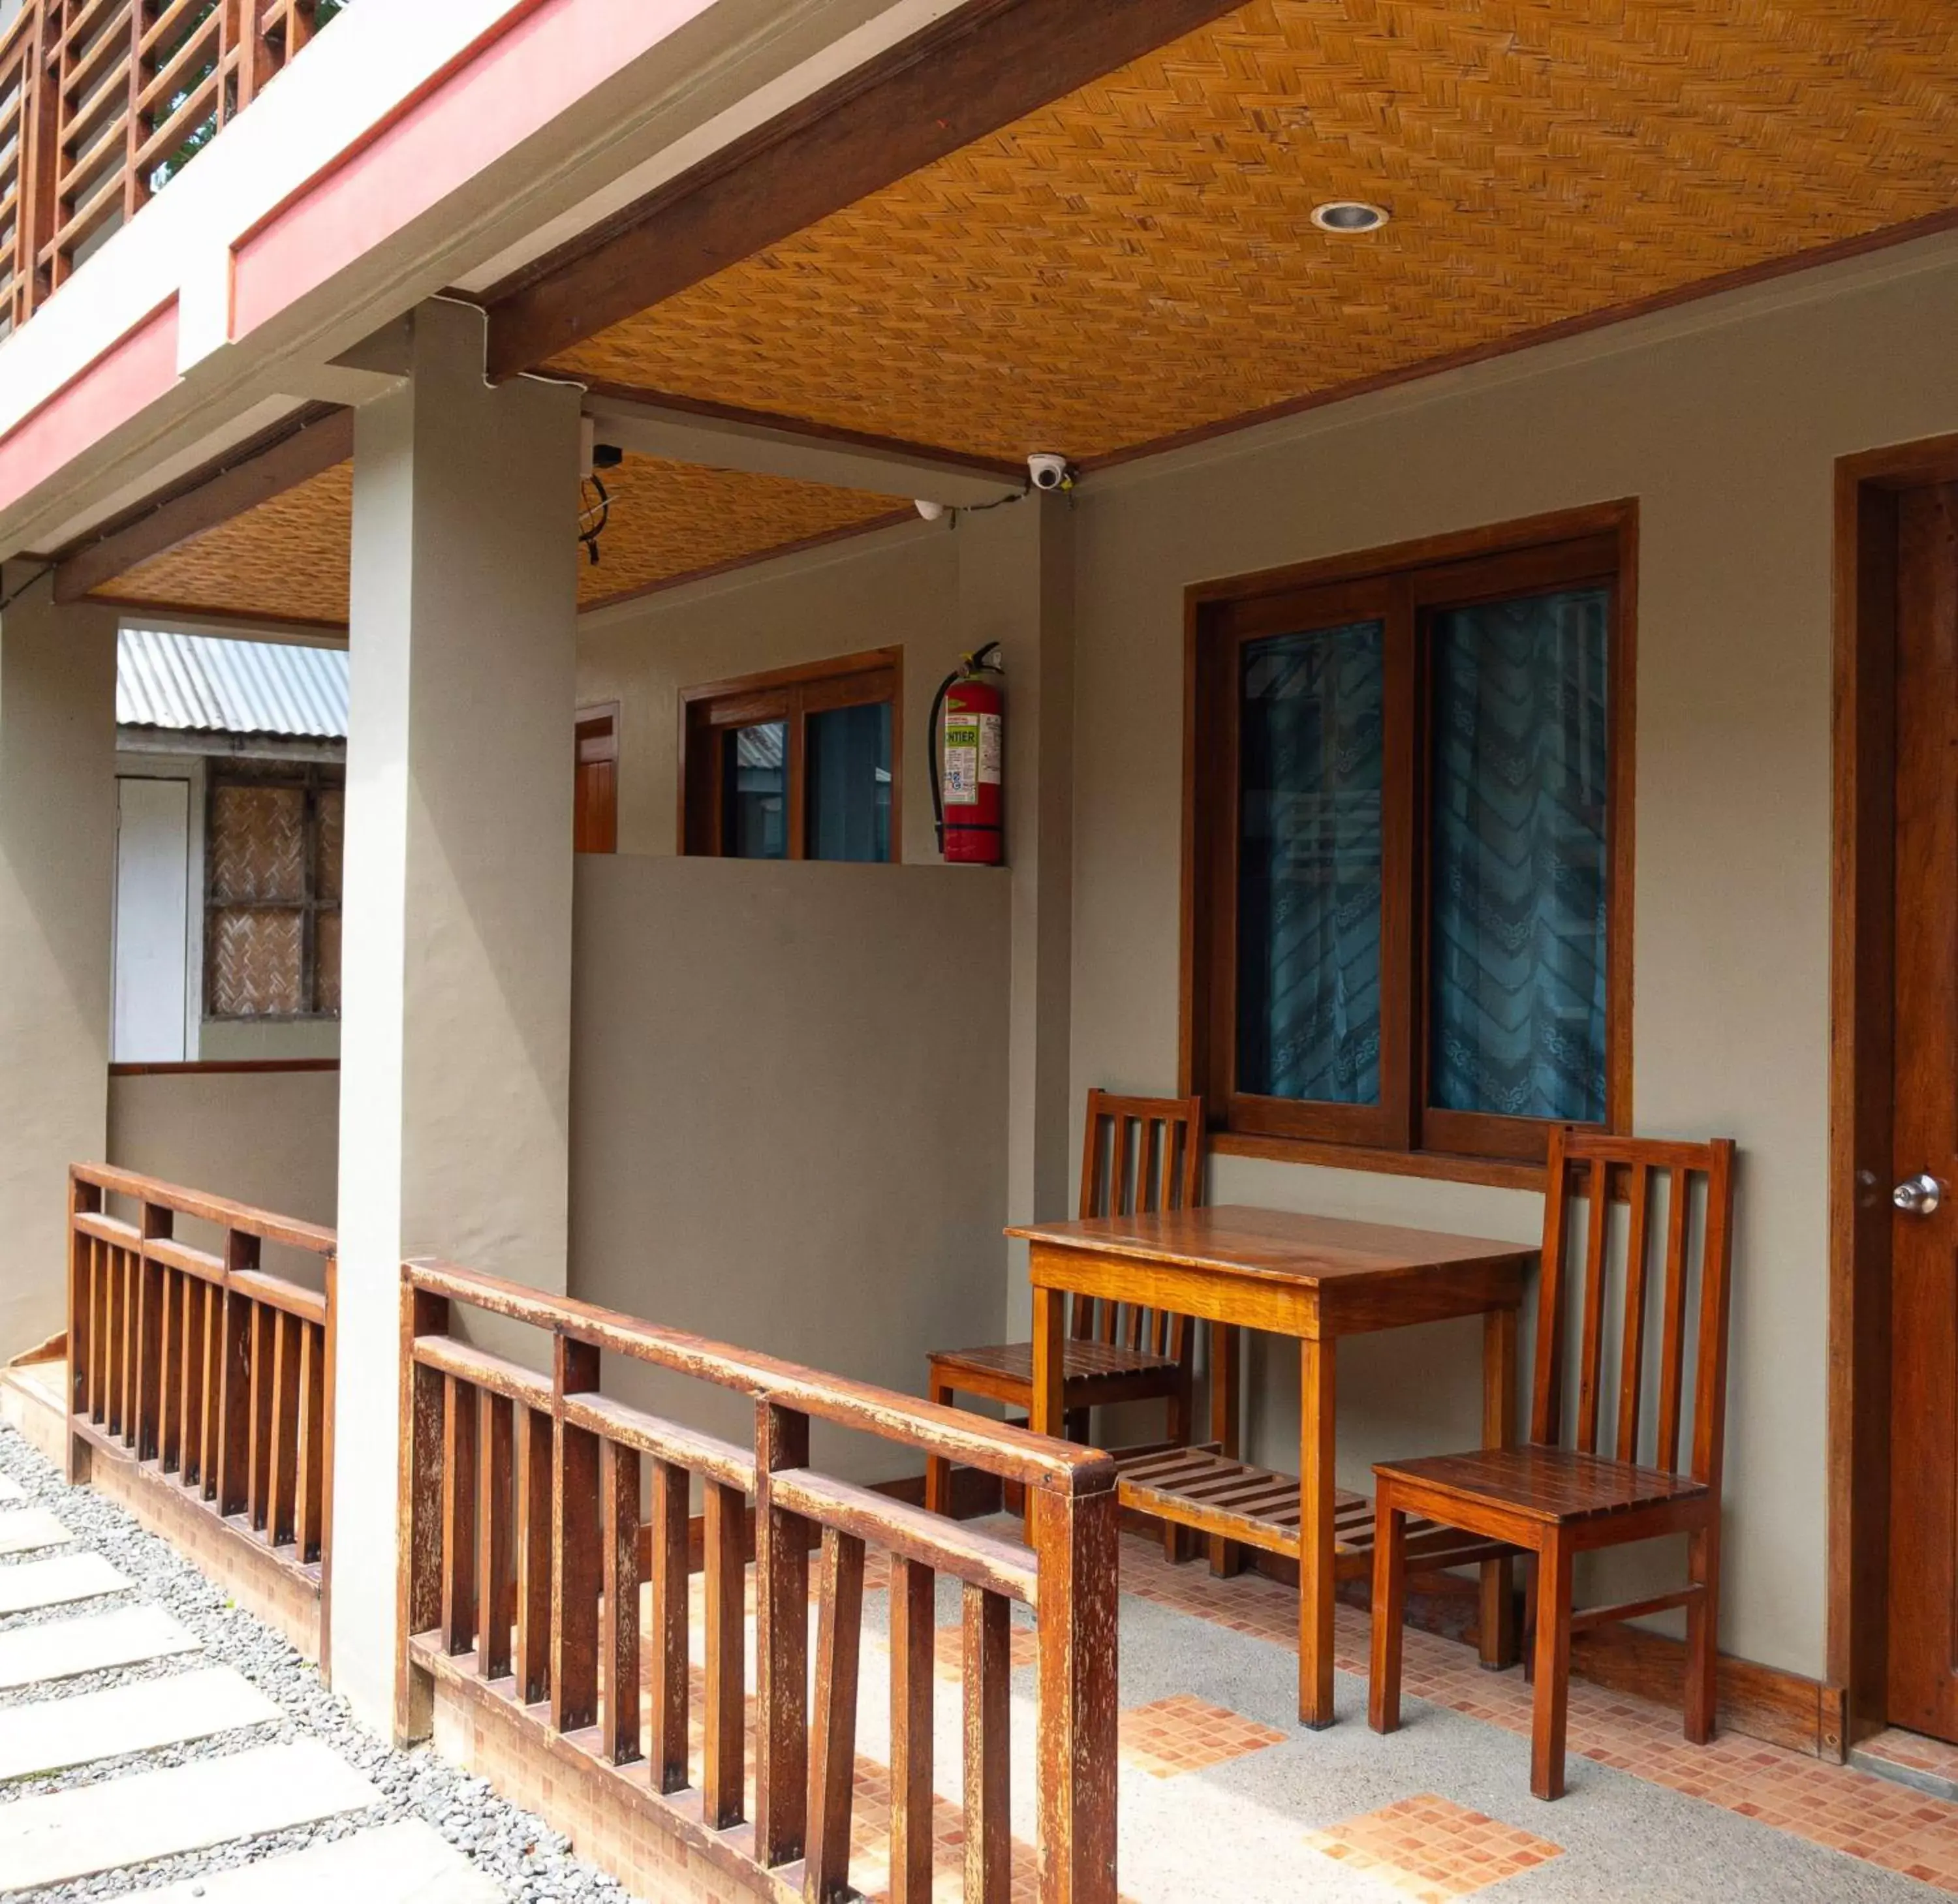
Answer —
199 1364
522 1557
103 101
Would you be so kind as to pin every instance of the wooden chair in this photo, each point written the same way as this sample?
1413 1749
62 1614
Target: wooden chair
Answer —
1565 1494
1139 1154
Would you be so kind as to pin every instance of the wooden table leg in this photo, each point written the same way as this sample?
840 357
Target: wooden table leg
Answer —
1044 1415
1316 1543
1498 1634
1226 1557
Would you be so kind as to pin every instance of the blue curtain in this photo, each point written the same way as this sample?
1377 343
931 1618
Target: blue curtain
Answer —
1517 888
1309 866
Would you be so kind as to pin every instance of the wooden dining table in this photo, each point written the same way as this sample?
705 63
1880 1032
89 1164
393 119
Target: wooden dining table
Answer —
1315 1278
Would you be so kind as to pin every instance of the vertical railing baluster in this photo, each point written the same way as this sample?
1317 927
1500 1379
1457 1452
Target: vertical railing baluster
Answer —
618 1622
83 1200
458 1516
669 1637
575 1557
725 1739
913 1641
418 1554
1074 1540
306 1457
289 1348
535 1465
832 1762
781 1643
260 1332
210 1429
144 1429
988 1666
495 1575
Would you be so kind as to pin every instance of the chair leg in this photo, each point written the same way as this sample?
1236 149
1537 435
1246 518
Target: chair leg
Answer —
1533 1571
1077 1424
937 1467
1552 1648
1383 1677
1703 1634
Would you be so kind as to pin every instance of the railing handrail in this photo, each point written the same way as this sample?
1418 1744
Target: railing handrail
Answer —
1013 1454
524 1544
268 1226
199 1363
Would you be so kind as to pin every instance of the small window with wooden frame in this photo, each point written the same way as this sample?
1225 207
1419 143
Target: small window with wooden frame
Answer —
804 763
273 851
1407 932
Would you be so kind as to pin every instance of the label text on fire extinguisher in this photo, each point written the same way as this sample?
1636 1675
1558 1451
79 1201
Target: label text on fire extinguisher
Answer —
971 757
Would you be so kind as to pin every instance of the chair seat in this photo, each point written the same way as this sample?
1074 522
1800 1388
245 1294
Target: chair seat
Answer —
1554 1485
1084 1362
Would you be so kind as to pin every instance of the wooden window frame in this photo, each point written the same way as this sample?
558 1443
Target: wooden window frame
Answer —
1402 586
312 778
709 713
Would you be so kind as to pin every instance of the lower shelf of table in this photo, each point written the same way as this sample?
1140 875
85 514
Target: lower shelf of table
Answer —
1203 1488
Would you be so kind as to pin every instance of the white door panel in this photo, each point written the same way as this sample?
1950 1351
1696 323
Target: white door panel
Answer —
152 920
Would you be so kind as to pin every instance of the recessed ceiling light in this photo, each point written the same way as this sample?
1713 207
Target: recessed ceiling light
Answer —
1349 215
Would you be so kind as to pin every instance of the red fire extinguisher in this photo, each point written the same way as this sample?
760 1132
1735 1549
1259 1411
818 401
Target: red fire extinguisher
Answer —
968 761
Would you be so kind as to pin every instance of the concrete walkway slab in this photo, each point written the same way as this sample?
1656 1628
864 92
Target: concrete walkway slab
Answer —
408 1863
63 1648
68 1835
34 1584
49 1735
26 1528
11 1490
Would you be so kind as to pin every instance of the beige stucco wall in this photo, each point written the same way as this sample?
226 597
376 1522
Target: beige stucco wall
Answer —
268 1138
1724 420
788 1119
896 587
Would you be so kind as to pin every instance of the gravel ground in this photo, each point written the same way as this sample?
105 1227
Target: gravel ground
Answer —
533 1863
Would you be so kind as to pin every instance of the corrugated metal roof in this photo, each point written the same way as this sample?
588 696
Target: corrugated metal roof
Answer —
207 683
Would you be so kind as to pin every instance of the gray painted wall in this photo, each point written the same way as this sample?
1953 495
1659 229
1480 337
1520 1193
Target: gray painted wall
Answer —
788 1115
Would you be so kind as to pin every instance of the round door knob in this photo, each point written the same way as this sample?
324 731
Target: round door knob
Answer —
1918 1196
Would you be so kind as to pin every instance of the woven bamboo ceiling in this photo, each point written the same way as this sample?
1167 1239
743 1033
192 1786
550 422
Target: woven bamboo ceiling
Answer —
287 559
1137 260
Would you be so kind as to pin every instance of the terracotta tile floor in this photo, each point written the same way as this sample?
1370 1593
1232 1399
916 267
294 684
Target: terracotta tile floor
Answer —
1421 1845
1912 1752
1186 1734
1430 1849
948 1648
1837 1806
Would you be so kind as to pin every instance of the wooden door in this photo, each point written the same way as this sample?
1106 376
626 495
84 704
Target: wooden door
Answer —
595 807
1923 1691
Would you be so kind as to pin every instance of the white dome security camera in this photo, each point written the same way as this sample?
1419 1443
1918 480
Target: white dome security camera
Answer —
1048 471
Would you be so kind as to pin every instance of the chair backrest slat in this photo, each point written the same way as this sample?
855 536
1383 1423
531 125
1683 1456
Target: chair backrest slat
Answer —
1672 1342
1632 1355
1591 1370
1590 1164
1547 1405
1139 1155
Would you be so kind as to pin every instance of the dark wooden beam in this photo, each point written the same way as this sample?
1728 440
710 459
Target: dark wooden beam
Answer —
247 477
990 63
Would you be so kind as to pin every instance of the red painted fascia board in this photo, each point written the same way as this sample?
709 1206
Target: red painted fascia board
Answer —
140 367
538 62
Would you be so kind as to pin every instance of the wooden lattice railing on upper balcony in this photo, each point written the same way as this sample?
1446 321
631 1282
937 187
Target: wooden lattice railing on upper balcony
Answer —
523 1554
201 1365
103 101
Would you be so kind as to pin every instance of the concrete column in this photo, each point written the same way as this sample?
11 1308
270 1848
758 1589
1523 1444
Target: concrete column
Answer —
455 1039
57 874
1016 588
